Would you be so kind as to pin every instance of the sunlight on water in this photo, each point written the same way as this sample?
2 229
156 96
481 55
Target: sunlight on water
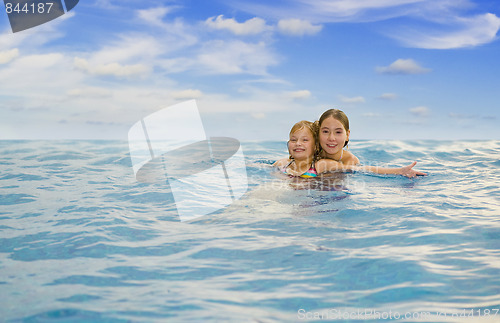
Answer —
82 240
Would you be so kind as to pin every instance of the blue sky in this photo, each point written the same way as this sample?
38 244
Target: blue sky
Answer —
407 69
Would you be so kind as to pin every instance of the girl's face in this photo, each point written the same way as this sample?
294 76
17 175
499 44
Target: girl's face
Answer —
301 144
332 135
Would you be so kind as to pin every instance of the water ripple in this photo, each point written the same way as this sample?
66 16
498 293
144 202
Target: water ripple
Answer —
96 245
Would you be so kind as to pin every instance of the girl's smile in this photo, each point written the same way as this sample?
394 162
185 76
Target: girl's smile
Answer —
332 137
301 144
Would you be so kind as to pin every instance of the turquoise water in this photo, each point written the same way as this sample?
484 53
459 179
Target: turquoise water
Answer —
82 240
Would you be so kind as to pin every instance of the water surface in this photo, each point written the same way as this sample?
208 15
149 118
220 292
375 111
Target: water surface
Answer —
81 239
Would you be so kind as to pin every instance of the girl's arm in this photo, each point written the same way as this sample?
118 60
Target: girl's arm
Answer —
281 163
328 165
407 171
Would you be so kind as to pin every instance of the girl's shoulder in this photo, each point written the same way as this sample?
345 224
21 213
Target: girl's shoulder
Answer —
282 162
323 165
349 158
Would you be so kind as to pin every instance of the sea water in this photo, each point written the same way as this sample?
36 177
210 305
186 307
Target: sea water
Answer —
82 240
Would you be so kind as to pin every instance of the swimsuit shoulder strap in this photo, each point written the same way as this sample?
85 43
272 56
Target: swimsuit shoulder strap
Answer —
286 166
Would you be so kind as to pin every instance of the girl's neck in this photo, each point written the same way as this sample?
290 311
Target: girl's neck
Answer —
337 156
301 165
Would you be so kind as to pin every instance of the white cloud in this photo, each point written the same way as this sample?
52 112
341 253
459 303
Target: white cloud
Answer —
171 35
40 62
420 111
129 48
90 92
299 95
388 96
454 24
236 57
31 39
473 31
139 53
78 102
186 94
255 100
259 115
8 55
35 82
346 11
119 70
114 69
352 100
252 26
298 27
128 56
105 4
403 66
176 64
154 16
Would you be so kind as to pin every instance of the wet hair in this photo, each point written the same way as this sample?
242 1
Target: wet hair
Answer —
337 115
311 126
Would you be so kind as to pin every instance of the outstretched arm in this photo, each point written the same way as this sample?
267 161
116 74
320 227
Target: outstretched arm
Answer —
328 165
407 171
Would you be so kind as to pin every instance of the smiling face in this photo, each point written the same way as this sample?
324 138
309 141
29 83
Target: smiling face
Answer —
301 145
332 137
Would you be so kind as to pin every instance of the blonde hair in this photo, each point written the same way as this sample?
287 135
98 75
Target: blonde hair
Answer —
311 126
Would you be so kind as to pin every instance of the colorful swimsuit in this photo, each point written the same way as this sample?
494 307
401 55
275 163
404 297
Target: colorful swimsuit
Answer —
311 172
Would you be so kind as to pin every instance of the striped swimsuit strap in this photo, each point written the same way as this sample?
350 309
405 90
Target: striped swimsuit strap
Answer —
311 172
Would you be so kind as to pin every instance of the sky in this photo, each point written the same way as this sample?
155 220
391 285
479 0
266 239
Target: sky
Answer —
399 69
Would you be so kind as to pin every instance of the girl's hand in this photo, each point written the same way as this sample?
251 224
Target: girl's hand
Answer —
409 172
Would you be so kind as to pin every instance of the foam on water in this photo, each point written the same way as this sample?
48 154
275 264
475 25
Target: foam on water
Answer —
81 239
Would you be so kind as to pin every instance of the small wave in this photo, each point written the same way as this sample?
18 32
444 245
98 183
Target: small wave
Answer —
64 157
13 199
23 177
